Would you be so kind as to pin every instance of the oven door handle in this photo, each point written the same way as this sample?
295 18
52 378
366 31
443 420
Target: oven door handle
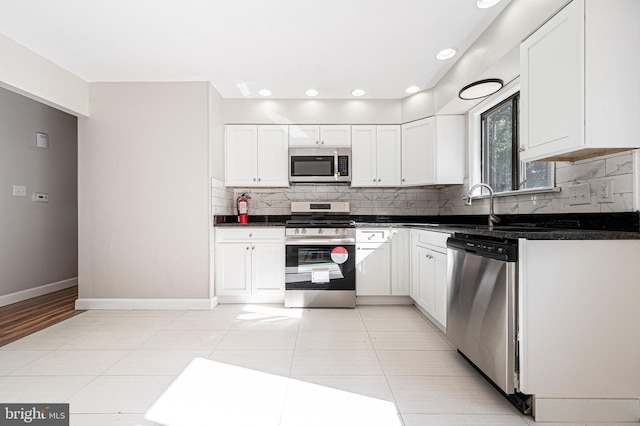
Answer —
320 242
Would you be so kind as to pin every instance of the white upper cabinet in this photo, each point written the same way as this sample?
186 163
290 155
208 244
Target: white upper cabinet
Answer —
273 155
579 88
376 155
433 151
256 155
315 136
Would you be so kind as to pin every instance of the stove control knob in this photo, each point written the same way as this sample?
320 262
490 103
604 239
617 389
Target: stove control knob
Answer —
304 231
297 231
320 231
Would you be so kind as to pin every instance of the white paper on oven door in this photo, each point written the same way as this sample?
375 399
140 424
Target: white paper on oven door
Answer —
320 276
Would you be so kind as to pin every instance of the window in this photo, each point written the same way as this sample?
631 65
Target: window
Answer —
494 142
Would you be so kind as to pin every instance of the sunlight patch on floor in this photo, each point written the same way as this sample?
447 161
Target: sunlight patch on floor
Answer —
210 392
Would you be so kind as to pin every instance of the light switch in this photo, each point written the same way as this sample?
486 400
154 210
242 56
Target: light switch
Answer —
580 194
19 190
42 140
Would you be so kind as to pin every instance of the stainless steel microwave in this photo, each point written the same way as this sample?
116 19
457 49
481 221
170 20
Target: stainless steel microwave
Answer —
320 165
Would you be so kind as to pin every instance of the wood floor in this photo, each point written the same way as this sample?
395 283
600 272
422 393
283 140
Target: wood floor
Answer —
23 318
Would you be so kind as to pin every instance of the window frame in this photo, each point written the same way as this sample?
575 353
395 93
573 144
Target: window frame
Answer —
474 128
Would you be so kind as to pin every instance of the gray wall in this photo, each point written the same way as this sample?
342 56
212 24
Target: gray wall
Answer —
38 241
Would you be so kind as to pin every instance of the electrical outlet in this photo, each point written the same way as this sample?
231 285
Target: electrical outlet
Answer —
605 192
39 197
580 194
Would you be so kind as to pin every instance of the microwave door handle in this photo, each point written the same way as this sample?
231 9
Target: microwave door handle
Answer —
335 165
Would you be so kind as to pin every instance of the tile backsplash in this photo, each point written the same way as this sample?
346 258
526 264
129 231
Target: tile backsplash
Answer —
366 201
447 201
615 167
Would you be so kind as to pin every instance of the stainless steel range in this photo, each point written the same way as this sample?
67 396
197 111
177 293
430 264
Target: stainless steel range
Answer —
320 269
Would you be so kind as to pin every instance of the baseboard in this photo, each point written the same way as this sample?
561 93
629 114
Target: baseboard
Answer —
19 296
383 300
586 410
251 298
148 304
430 317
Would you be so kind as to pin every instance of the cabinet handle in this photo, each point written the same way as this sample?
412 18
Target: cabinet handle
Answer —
253 247
317 142
322 143
247 248
522 148
374 180
403 179
254 179
250 235
379 180
428 256
259 179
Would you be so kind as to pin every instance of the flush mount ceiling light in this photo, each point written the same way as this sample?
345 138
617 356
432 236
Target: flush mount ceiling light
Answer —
358 92
264 92
412 89
447 53
485 4
480 89
311 92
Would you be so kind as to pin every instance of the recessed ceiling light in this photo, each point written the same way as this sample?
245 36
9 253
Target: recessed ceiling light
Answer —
311 92
412 89
358 92
447 53
480 89
485 4
264 92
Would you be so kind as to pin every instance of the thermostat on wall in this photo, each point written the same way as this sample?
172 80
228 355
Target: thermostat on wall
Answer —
42 140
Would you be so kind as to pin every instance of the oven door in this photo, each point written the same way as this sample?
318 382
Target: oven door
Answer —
320 266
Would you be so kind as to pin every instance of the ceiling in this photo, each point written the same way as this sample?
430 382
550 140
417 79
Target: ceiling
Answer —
241 46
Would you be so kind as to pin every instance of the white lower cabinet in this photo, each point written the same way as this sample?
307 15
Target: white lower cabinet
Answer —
400 258
382 262
429 274
250 261
373 262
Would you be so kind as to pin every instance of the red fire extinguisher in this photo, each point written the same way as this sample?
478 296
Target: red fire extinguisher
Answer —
242 204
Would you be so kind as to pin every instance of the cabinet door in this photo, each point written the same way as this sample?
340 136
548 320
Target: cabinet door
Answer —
363 156
267 266
400 262
426 279
233 269
273 155
552 85
388 153
373 269
440 313
418 152
241 155
304 136
335 136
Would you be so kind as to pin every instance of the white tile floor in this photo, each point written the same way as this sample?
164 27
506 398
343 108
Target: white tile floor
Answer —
112 365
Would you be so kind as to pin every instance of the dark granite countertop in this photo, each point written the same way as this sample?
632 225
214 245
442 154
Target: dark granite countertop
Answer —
578 226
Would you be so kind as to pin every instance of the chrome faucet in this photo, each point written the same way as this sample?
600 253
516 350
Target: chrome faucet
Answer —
492 217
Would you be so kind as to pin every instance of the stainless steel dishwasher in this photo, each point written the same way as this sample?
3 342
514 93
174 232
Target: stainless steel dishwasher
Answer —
482 316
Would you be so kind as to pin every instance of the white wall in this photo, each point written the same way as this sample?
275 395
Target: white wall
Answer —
38 241
31 75
311 111
144 191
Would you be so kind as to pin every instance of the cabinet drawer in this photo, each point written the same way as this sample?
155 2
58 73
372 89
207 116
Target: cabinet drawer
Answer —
373 235
249 234
438 239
